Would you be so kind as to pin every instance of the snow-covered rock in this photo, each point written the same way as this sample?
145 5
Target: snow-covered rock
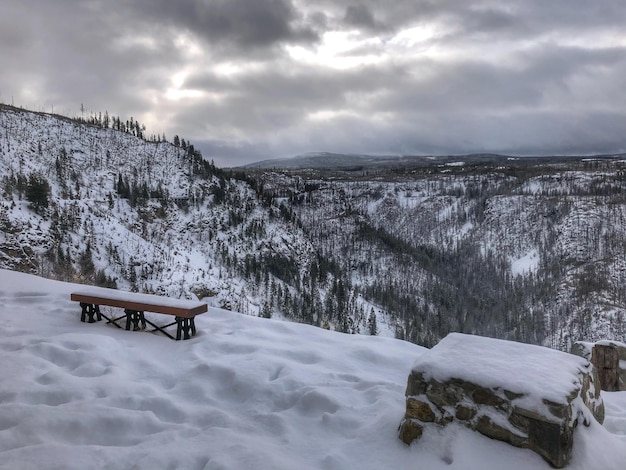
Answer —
526 395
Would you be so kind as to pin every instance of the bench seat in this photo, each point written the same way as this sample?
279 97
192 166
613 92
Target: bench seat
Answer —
135 305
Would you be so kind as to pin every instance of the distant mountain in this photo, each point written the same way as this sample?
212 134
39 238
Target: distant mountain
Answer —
322 160
339 161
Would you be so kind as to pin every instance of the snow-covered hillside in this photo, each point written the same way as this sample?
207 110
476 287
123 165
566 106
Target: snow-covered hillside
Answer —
245 393
115 209
531 250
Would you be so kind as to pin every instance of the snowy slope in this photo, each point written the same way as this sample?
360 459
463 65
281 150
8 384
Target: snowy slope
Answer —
245 393
180 241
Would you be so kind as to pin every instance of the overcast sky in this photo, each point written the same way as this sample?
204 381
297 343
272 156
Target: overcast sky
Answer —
246 80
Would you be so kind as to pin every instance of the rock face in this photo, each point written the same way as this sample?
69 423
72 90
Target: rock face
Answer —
609 359
505 391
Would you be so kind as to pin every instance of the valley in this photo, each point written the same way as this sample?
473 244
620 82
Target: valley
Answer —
524 249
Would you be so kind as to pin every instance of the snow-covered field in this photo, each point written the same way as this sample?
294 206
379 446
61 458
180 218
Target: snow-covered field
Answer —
245 393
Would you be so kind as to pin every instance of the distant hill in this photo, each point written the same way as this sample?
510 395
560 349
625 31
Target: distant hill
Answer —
342 161
323 160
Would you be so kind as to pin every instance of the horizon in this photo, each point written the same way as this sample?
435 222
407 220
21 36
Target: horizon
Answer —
320 154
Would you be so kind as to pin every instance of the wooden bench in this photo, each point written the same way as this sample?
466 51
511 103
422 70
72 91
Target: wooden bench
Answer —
135 305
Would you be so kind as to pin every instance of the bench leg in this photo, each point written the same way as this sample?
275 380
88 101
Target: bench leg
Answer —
90 313
136 318
184 327
85 309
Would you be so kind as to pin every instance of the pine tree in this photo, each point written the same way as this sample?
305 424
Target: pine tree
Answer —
37 189
372 325
266 312
85 262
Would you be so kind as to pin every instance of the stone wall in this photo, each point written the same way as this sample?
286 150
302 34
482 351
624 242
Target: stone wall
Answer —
609 359
545 426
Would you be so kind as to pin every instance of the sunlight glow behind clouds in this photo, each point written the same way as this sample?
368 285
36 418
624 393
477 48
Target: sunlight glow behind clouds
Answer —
419 35
350 49
339 50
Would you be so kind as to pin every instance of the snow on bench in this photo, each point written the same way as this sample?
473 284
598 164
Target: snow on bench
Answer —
529 396
135 305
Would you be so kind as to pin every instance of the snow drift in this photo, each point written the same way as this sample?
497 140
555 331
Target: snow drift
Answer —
244 393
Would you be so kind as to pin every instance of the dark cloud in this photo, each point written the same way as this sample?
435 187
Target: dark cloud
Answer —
242 24
250 79
360 16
